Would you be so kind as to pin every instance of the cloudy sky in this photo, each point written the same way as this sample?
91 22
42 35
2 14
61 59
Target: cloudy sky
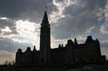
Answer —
20 23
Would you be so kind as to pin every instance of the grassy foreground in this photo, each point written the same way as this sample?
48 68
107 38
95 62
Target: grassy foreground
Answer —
38 68
84 68
31 69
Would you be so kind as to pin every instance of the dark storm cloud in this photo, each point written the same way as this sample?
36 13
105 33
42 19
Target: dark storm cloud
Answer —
101 3
90 4
78 18
12 8
17 9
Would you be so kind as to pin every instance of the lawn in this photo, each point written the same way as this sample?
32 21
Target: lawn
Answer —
84 68
31 69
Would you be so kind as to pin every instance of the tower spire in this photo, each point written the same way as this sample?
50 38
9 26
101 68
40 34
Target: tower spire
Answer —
45 19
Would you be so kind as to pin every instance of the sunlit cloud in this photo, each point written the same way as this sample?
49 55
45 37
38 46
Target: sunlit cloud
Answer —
29 31
22 26
11 36
60 5
4 18
6 29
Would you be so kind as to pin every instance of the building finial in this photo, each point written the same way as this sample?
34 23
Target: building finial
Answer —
75 41
34 49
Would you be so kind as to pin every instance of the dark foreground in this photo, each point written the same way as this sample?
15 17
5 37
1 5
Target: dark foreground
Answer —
84 68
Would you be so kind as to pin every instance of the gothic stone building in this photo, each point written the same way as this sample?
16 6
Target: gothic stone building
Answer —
71 53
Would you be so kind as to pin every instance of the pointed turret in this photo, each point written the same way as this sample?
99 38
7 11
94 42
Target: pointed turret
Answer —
34 49
75 41
19 51
28 49
45 21
62 46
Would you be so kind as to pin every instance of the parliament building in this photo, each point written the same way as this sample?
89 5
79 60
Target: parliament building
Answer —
70 54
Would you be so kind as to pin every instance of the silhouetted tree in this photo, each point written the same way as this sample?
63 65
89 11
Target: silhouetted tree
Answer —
9 63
